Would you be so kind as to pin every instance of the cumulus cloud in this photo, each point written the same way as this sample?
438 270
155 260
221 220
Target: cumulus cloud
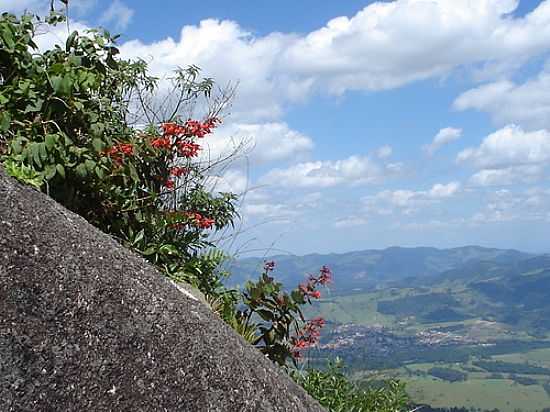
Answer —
350 221
227 53
230 181
20 6
260 143
118 14
509 146
443 137
526 104
385 45
42 7
384 152
388 44
353 170
439 191
505 205
507 176
47 36
409 201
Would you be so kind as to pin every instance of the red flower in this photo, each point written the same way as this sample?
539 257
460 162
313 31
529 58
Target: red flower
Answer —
179 171
186 149
315 294
170 129
161 143
199 220
169 184
307 337
205 223
191 128
118 150
325 276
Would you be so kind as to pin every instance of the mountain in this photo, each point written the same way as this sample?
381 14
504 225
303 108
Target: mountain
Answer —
374 268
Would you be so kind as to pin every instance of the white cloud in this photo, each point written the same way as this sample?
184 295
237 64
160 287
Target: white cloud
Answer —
353 170
42 7
20 6
526 104
227 53
260 143
388 44
439 190
269 210
384 152
118 14
409 201
385 45
506 205
232 181
352 221
443 137
507 176
509 146
48 36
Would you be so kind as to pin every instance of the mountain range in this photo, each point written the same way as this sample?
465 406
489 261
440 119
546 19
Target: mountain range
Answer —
377 268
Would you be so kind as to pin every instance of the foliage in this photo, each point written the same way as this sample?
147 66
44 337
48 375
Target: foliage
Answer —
283 332
334 391
64 128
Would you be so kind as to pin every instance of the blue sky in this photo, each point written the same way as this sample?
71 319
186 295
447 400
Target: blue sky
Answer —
368 124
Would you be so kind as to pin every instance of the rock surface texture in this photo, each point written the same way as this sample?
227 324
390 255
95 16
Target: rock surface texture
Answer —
86 325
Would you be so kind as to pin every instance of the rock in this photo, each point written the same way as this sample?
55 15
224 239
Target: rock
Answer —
86 325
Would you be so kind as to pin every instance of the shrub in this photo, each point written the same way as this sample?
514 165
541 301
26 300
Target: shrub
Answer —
334 391
64 129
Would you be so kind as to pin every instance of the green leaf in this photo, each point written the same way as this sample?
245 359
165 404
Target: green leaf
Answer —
169 249
61 170
42 151
62 85
70 40
81 170
17 145
150 251
7 38
35 153
90 165
36 106
99 172
49 172
50 140
3 99
97 145
133 172
5 121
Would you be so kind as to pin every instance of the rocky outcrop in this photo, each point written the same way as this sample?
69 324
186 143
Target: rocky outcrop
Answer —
86 325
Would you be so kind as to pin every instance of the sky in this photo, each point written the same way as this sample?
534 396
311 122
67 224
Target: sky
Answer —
366 124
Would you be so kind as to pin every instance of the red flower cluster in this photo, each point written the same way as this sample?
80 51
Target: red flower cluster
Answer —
161 143
118 151
169 184
200 221
194 218
325 276
307 337
308 289
187 149
179 171
190 128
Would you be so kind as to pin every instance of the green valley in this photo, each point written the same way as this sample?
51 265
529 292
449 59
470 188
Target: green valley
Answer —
470 328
